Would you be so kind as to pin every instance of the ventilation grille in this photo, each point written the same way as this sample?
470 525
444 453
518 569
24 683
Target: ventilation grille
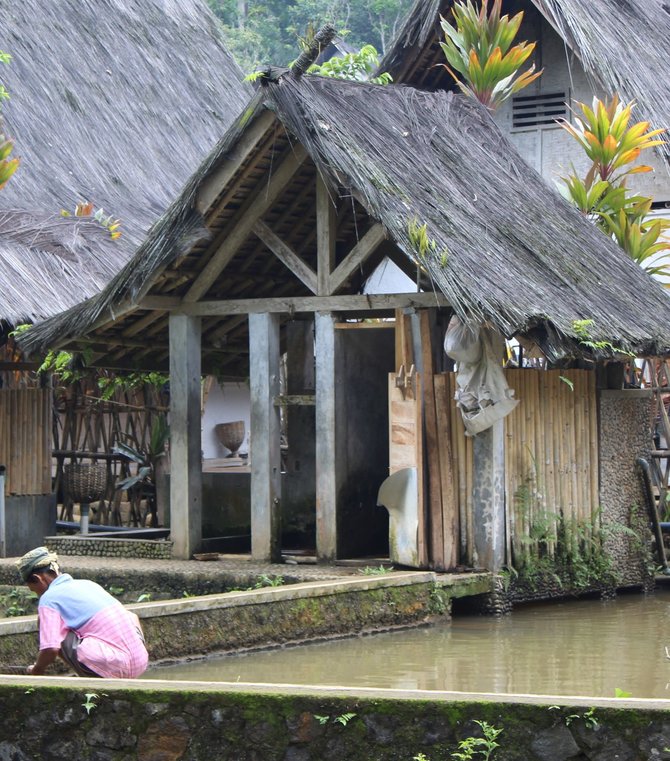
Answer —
532 111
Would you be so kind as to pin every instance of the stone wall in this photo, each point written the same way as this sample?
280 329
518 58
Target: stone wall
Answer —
624 436
57 719
102 546
272 616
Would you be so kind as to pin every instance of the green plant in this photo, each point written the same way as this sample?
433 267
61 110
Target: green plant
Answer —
379 570
479 48
588 717
116 591
18 601
357 66
582 330
90 703
479 747
420 757
144 597
619 693
613 146
265 580
342 719
438 601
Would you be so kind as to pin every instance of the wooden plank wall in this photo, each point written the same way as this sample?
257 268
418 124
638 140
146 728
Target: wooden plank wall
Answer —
25 439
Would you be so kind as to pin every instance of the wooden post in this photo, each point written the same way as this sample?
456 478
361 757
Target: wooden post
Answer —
489 497
326 224
326 455
265 451
185 452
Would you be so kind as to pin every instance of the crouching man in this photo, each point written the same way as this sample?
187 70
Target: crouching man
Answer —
81 622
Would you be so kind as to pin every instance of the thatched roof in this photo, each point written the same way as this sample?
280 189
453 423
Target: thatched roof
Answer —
47 260
506 248
622 45
115 103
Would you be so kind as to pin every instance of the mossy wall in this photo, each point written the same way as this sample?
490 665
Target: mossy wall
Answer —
128 723
267 617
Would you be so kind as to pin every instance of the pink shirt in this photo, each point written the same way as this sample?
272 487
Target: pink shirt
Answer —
111 644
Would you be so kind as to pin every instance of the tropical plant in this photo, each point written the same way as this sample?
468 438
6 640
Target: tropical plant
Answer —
7 165
356 66
613 145
86 209
142 483
479 50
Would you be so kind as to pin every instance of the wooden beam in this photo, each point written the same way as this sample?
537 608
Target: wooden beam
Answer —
217 180
326 228
265 453
185 438
358 254
295 400
228 243
326 459
291 304
286 255
159 303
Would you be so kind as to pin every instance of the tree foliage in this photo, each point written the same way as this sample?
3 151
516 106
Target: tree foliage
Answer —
262 32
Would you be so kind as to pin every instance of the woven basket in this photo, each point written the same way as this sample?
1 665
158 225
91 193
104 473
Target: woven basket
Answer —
84 483
231 435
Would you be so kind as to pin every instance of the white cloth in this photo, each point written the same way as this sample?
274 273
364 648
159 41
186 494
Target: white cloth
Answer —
482 393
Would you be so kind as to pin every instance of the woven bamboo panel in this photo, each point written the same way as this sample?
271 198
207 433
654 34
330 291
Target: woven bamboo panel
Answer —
551 454
25 439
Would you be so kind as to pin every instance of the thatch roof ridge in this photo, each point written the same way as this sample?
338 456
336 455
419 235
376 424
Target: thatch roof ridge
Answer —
504 240
115 103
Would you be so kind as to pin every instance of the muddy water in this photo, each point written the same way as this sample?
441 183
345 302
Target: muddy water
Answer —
581 647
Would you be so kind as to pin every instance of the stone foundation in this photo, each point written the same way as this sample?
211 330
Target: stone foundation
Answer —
102 546
153 721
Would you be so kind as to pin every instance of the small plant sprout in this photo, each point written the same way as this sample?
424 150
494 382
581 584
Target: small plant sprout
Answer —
344 718
369 570
90 703
144 597
619 693
567 382
479 748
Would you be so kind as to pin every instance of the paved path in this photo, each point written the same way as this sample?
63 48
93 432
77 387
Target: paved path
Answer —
233 567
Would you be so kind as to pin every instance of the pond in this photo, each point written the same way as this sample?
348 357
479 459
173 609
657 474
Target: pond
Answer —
580 647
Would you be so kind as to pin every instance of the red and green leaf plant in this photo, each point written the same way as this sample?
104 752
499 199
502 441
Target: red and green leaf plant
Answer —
613 145
481 57
85 209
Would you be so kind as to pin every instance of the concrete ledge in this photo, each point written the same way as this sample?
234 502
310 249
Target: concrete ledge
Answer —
272 616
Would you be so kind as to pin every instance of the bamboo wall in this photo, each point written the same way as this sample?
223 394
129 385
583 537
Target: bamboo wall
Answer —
25 439
551 455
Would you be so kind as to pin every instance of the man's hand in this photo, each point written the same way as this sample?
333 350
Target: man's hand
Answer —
30 668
